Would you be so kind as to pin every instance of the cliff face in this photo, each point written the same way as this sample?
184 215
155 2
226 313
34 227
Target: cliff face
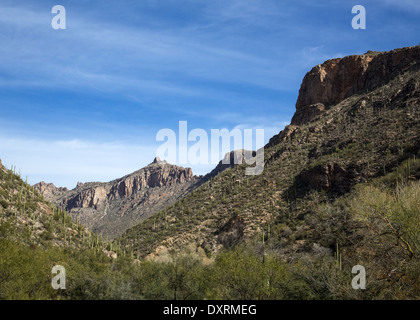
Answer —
49 190
111 208
337 79
155 175
89 198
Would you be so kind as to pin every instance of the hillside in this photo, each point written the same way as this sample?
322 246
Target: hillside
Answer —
32 219
357 118
35 236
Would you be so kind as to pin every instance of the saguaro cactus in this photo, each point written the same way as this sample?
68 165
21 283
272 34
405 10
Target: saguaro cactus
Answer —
337 256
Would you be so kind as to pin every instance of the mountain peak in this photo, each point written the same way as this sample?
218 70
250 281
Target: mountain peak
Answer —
49 189
158 161
337 79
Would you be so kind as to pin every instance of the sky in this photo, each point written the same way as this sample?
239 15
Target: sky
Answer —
86 103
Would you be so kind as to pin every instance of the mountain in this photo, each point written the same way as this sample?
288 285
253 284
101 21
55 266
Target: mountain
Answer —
111 208
357 118
340 188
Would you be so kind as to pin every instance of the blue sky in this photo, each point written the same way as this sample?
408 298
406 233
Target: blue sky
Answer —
85 103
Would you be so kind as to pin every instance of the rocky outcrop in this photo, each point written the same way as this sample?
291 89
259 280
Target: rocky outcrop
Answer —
49 190
230 160
336 177
90 198
232 232
284 135
337 79
158 161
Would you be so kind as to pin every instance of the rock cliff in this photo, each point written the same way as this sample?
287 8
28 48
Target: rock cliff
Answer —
49 189
337 79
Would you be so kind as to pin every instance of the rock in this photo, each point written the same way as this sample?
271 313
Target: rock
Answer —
71 231
284 135
232 232
158 161
230 160
334 80
90 198
331 176
49 190
111 254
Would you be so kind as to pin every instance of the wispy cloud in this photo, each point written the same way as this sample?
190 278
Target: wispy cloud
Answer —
80 56
406 5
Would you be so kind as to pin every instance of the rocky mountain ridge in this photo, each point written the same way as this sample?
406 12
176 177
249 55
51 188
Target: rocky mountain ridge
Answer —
109 208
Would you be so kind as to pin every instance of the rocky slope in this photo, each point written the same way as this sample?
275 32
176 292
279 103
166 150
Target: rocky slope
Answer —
110 208
356 118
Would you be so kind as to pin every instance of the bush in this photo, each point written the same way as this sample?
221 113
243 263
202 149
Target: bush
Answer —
4 203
